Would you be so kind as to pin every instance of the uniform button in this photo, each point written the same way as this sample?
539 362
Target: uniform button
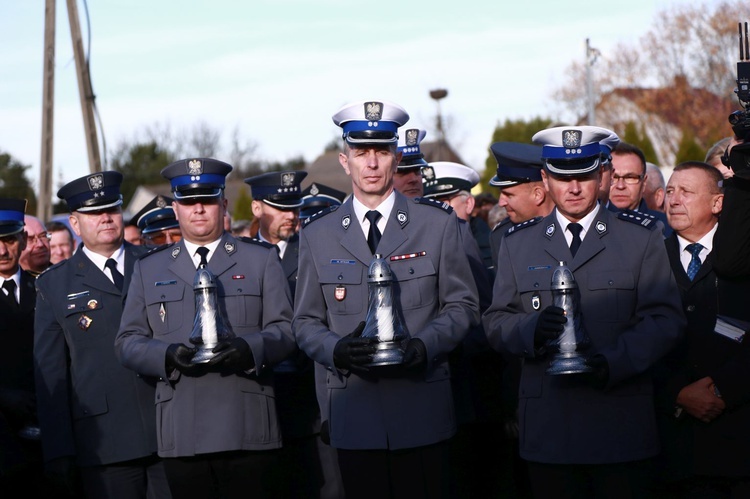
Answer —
691 308
536 284
340 277
239 290
162 297
610 282
411 271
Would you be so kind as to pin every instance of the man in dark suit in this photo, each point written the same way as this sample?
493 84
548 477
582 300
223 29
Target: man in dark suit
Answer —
704 393
20 450
308 466
218 426
590 433
391 430
92 411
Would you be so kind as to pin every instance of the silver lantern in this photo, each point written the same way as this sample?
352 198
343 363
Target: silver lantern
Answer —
384 320
573 339
209 326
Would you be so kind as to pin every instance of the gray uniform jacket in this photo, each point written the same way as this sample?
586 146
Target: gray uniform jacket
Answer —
439 301
214 412
632 315
89 406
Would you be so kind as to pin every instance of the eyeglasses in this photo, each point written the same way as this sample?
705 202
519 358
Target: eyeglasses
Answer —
42 237
164 236
630 179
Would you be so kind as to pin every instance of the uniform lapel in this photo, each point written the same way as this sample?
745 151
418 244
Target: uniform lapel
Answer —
557 247
394 235
221 260
592 243
182 264
291 255
353 240
92 276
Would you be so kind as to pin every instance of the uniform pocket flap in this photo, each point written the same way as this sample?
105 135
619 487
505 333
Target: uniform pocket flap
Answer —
414 268
341 274
162 294
615 279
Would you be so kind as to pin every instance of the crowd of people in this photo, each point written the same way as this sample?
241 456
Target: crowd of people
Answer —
180 354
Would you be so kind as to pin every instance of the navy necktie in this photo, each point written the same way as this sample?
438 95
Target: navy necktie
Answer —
575 229
203 252
695 262
373 237
116 276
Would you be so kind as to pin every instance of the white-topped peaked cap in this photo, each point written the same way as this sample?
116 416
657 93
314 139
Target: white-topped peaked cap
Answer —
444 178
572 150
370 122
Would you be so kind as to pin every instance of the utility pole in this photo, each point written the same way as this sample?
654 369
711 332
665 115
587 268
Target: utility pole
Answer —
84 90
591 55
44 203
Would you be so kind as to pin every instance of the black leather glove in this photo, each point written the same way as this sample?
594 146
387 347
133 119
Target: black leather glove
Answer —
234 354
415 356
352 351
550 324
180 357
599 377
62 476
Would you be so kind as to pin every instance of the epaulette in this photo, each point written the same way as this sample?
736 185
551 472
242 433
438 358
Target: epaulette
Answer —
320 214
255 240
502 224
523 225
435 203
155 249
638 218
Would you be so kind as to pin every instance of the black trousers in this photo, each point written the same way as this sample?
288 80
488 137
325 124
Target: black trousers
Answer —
137 479
225 475
418 473
583 481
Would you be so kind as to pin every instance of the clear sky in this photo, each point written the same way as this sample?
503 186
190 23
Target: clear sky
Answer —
276 70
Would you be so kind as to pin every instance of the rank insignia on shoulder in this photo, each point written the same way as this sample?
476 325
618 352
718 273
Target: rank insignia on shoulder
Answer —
435 203
252 240
638 218
523 225
320 214
502 224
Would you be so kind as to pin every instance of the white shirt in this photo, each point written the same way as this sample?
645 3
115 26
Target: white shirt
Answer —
101 261
17 278
585 222
707 241
383 208
192 247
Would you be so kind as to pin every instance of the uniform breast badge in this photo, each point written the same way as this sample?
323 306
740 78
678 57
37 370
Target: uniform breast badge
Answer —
85 322
339 293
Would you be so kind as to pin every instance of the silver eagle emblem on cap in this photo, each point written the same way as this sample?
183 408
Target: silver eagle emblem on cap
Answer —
411 137
314 190
572 138
96 182
287 179
373 111
195 167
161 202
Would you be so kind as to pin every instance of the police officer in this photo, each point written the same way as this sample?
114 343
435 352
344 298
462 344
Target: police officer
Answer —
589 434
390 431
317 197
21 461
408 177
93 412
522 193
309 468
218 426
157 222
